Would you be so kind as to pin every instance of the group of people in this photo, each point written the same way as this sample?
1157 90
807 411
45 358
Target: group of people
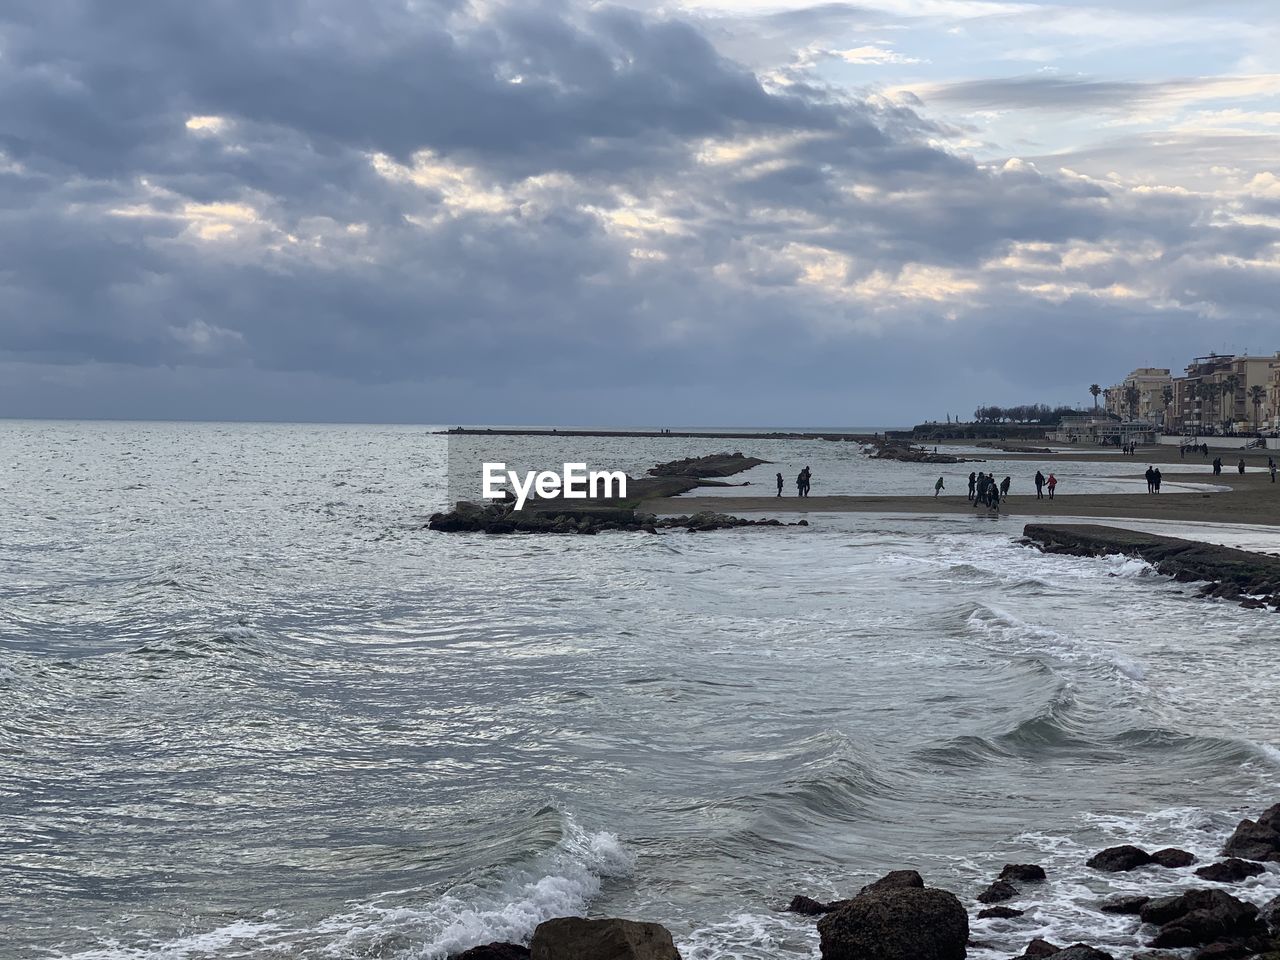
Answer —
802 482
1200 448
983 489
1153 479
1129 449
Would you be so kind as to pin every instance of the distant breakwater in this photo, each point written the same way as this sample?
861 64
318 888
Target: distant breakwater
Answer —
688 434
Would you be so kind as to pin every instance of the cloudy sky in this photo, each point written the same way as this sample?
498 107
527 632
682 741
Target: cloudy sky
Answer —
713 212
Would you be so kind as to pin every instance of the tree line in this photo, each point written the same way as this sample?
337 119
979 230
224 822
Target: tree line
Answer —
1024 413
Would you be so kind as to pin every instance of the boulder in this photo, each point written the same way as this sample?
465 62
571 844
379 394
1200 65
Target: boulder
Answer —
998 913
896 923
808 907
1039 948
1270 914
1124 905
1118 859
895 879
1213 918
1164 910
1233 949
576 938
494 951
1082 951
1231 870
1023 872
1173 858
1256 840
997 892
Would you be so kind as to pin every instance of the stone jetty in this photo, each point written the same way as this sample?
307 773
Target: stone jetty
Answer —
1251 578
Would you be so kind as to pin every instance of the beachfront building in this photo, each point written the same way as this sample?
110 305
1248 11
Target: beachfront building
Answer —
1271 419
1102 431
1140 396
1214 397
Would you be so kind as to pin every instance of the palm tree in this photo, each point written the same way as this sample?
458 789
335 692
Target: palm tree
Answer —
1166 394
1257 396
1229 385
1095 390
1210 392
1131 397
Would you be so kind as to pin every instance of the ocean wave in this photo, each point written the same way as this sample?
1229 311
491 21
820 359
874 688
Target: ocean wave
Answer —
208 943
1010 631
559 883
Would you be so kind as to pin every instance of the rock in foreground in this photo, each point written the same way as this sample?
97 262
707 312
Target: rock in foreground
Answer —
896 923
576 938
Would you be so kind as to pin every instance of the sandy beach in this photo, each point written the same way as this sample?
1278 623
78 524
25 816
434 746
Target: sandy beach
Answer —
1252 498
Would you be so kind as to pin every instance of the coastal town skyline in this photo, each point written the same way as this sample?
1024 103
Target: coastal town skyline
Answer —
724 211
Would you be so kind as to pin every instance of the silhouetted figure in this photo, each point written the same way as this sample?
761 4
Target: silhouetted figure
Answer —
800 484
779 484
1004 486
1151 480
1155 479
1271 465
937 488
1241 467
973 484
1039 485
1052 484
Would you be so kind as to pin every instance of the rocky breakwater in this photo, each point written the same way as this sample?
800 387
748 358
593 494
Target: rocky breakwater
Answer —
1253 579
700 468
467 517
903 450
900 917
602 514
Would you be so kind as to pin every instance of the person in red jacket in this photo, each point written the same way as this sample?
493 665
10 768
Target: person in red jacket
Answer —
1051 483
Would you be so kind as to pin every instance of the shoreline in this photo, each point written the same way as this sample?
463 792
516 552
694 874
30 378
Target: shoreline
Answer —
1250 498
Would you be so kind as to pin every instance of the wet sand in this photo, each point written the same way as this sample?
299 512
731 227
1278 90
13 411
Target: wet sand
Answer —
1253 498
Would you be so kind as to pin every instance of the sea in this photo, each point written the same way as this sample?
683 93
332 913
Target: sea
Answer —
251 708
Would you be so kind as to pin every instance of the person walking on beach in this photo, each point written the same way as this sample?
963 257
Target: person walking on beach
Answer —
808 478
800 484
1052 484
1242 465
938 488
779 484
1039 485
1217 466
1155 479
1004 486
1151 480
973 484
1271 465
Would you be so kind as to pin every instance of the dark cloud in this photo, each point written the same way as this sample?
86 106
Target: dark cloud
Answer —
418 205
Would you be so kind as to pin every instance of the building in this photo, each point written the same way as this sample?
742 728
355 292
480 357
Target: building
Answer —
1271 419
1141 396
1215 395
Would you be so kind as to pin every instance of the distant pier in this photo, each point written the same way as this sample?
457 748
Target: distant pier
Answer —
692 434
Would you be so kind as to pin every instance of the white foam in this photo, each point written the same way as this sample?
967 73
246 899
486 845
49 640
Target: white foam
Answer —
751 936
208 943
559 884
